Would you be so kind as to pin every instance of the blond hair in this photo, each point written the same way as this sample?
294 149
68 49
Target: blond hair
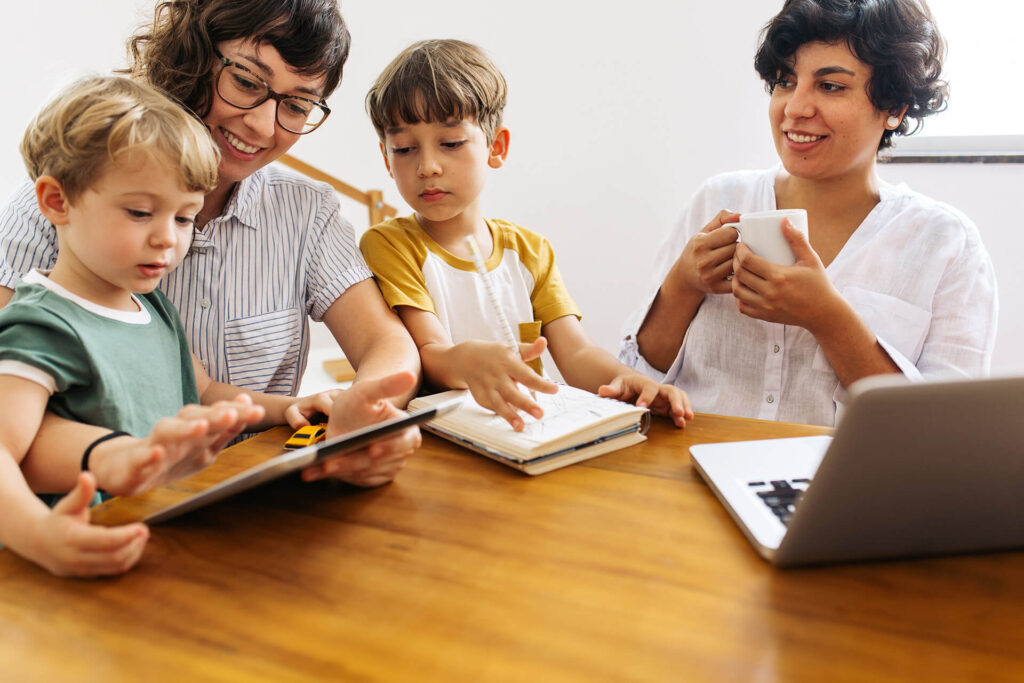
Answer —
101 120
437 80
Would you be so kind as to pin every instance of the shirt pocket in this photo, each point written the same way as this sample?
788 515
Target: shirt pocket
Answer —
901 324
262 351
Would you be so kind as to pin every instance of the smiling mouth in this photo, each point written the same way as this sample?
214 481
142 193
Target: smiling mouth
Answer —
798 138
238 144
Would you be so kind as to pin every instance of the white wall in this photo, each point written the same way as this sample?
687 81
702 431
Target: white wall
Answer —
615 118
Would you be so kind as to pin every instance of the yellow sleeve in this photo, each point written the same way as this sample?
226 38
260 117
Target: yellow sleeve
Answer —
396 258
549 297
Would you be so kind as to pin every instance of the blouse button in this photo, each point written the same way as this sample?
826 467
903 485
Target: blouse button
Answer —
205 303
770 399
777 348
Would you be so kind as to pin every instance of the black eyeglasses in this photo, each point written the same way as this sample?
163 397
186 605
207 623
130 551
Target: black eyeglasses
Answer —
240 87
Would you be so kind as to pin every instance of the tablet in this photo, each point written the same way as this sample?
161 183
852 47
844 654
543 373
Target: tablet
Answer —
290 461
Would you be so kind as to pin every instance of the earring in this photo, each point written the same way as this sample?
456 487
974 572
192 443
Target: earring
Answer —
893 122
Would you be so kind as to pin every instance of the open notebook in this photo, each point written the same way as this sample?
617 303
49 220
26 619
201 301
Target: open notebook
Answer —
577 425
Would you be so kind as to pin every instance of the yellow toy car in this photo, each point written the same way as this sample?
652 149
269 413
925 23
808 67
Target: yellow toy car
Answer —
306 436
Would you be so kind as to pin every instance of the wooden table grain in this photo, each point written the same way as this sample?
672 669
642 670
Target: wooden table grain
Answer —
622 568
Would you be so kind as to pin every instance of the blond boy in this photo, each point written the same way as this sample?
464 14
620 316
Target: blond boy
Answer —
122 172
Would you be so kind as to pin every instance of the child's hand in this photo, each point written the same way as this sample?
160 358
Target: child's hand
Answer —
177 447
299 413
493 372
662 399
65 544
364 404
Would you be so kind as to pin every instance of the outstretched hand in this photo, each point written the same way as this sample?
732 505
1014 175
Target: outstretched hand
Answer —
801 294
662 399
66 544
493 372
366 403
177 447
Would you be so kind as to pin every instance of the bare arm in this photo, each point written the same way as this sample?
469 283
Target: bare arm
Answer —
585 365
582 363
61 540
851 347
702 268
125 466
387 375
5 295
490 370
372 336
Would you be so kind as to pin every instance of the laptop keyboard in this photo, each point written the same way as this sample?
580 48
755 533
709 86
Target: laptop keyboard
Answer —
780 495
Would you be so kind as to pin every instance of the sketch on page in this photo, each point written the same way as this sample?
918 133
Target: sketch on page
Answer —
564 413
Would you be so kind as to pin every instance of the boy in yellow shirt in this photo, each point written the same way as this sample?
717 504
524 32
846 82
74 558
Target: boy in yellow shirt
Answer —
437 109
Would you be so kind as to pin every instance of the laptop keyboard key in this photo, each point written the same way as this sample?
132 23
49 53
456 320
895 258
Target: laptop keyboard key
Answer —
783 497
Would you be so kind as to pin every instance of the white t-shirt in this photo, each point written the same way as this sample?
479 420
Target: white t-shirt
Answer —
414 270
915 270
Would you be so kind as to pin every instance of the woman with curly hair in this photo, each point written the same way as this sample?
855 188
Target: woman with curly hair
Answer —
886 280
271 248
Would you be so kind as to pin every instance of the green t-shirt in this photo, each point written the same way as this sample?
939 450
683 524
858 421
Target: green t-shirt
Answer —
123 371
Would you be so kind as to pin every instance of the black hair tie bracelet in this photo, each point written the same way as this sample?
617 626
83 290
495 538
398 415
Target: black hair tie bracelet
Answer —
97 442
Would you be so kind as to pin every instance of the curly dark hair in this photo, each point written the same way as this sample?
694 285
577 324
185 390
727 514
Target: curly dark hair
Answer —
898 39
176 52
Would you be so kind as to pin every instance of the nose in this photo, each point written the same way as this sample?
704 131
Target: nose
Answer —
262 119
164 234
800 104
429 164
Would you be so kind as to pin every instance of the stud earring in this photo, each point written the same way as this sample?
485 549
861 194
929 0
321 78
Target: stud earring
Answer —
893 122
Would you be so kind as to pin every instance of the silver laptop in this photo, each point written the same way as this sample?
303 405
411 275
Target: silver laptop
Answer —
913 469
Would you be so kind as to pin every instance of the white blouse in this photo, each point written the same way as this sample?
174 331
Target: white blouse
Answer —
915 270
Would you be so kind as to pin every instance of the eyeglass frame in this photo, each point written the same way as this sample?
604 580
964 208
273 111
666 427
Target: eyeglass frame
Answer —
271 95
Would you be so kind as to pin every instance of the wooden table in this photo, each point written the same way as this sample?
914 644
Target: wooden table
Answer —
621 568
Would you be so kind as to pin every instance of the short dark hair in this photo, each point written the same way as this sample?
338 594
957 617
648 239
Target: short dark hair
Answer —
176 52
898 39
435 80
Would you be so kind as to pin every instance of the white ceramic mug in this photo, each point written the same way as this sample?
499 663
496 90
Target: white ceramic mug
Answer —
762 232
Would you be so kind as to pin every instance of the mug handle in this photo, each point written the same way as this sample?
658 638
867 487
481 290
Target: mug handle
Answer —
735 226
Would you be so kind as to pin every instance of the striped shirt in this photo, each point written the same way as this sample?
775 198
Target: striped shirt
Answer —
280 254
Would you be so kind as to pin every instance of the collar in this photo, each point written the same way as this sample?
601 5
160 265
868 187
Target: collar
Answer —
245 201
41 278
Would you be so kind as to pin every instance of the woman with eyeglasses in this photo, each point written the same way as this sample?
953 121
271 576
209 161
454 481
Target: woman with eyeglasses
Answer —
271 248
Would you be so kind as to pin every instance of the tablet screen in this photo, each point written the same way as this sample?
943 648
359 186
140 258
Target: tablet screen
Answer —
290 461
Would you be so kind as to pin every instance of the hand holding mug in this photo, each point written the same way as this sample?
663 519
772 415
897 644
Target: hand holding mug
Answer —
800 294
762 232
705 264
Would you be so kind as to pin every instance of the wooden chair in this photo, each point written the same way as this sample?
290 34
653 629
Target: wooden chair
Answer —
340 369
373 199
